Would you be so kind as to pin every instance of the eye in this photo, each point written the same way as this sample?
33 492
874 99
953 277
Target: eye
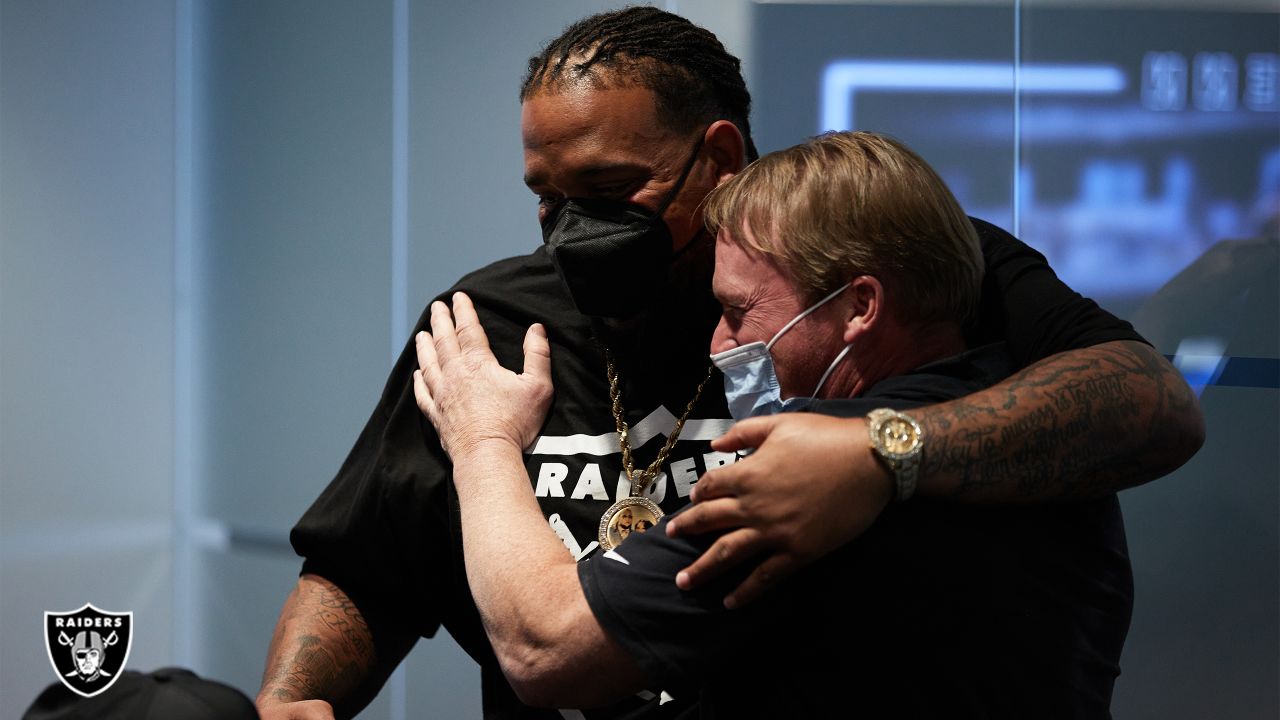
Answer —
732 313
616 190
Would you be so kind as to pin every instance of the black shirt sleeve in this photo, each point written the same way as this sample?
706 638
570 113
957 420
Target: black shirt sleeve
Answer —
677 638
381 527
386 530
1024 303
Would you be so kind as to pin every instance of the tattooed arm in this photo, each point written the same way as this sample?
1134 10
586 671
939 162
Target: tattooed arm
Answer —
324 660
1078 425
1075 426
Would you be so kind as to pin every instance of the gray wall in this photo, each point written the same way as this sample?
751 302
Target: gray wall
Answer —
218 221
86 324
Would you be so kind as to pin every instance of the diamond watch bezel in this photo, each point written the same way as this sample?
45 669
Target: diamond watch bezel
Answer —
881 418
903 465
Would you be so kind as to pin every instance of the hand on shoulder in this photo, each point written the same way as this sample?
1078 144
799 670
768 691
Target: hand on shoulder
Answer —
467 395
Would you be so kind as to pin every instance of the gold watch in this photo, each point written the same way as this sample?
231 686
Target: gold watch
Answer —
898 442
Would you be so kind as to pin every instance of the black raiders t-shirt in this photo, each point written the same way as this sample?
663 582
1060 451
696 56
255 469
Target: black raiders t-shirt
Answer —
937 611
386 529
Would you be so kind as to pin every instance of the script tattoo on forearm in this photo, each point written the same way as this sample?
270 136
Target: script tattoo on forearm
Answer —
322 650
1077 425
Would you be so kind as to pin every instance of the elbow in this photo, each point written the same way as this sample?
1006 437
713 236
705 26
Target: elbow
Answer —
1177 423
1192 430
1186 434
1183 424
540 676
536 659
529 670
556 671
551 650
538 690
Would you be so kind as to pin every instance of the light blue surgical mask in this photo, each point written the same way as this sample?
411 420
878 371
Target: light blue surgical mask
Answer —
750 381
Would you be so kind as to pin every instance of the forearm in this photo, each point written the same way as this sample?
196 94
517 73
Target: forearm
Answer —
546 639
525 584
323 649
514 561
1077 425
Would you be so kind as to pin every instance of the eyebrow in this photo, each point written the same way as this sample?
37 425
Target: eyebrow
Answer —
728 294
590 172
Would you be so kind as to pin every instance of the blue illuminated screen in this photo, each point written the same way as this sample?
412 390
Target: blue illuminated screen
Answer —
1141 138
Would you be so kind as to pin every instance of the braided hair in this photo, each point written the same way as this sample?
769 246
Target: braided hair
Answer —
694 79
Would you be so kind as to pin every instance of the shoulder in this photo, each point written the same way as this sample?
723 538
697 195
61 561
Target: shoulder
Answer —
513 293
526 281
535 263
999 246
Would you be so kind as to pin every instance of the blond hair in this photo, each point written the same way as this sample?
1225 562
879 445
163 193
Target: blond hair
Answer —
856 203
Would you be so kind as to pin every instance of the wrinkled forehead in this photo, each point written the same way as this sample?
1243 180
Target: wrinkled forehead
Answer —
739 265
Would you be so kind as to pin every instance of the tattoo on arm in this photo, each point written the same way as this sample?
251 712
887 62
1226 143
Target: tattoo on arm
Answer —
1076 425
322 647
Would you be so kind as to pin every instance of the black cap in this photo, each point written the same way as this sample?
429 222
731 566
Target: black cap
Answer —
165 694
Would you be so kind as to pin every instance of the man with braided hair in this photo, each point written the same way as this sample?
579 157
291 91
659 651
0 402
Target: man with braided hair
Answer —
629 120
692 78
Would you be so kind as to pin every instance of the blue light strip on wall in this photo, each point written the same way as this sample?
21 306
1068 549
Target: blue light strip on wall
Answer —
1201 371
843 79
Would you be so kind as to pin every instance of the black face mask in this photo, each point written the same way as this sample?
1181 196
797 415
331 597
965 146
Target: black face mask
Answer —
612 255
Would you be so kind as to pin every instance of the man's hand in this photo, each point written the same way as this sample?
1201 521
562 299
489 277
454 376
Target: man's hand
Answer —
791 512
467 395
304 710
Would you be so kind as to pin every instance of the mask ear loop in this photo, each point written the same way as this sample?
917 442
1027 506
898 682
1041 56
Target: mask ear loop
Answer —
671 196
684 175
803 315
831 368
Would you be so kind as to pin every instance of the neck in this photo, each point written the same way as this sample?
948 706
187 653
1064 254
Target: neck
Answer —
895 349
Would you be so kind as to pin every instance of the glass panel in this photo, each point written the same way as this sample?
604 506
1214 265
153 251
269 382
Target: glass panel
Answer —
1159 197
938 78
1148 144
293 197
86 328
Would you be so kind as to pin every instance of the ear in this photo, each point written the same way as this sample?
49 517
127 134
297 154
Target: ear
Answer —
864 309
724 145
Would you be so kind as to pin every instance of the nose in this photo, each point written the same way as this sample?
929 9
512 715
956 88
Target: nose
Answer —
723 339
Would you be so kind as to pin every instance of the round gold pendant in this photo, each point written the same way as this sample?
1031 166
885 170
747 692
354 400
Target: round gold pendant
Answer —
628 515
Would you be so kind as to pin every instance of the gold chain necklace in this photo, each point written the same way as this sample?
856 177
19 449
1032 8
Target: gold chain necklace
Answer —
635 513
